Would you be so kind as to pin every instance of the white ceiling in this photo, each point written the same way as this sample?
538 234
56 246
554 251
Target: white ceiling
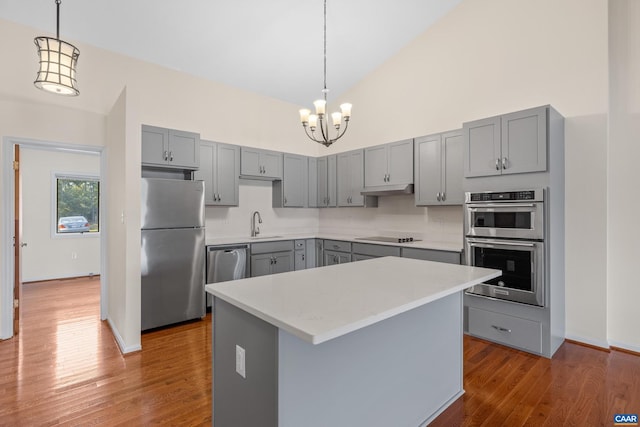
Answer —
269 47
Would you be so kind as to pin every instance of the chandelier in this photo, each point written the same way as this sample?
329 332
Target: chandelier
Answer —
311 122
58 60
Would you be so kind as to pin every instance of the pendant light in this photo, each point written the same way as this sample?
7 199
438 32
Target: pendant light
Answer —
58 60
311 122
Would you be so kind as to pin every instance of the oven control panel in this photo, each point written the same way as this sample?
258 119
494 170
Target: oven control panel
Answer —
505 196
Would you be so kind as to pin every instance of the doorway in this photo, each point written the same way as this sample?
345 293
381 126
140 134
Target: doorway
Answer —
7 329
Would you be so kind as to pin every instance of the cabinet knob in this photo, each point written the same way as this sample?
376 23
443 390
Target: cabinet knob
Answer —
166 155
497 164
171 156
438 196
442 196
504 163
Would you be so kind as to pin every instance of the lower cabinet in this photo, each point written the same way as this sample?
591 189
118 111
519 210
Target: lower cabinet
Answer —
334 257
432 255
271 258
503 328
362 251
300 255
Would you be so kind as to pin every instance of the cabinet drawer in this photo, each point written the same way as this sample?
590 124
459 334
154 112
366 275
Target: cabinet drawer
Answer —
432 255
375 250
337 245
505 329
299 245
266 247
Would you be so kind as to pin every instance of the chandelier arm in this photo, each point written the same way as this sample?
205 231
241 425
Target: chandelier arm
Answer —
324 130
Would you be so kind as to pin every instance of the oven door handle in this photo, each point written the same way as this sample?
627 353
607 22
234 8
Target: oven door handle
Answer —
493 243
474 207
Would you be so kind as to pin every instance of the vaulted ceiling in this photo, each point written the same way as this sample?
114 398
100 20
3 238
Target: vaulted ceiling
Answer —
274 47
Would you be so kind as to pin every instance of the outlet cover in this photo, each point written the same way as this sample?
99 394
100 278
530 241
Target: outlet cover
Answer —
240 361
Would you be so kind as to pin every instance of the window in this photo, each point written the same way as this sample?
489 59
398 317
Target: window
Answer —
77 204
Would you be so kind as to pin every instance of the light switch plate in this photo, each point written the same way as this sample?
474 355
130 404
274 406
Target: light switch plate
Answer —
240 361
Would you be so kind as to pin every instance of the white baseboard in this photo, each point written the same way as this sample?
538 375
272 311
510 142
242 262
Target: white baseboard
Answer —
625 346
590 341
123 348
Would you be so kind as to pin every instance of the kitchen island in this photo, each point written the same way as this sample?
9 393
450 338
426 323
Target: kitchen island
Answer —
372 343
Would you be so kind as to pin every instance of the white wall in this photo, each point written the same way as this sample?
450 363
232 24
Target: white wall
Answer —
49 256
624 152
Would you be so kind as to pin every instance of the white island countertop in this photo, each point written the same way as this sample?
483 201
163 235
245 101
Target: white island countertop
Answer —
320 304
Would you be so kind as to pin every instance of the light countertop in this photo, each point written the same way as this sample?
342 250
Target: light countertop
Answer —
320 304
424 244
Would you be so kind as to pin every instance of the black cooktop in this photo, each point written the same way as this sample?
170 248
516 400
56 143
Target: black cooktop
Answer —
386 239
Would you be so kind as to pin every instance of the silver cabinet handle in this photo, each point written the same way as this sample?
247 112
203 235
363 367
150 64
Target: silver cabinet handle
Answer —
438 196
500 328
336 247
442 196
23 244
171 156
504 163
497 164
166 155
285 200
302 257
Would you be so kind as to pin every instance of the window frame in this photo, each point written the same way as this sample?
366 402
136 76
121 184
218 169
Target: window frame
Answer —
55 176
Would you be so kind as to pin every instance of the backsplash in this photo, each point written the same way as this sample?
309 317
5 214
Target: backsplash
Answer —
395 215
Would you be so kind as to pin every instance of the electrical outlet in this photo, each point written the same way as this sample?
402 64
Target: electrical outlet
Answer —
240 361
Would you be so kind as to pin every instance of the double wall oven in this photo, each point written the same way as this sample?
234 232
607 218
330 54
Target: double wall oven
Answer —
506 230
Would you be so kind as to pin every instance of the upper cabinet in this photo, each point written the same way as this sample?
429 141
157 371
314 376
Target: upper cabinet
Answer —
389 164
260 164
169 148
327 187
219 169
506 144
350 180
438 167
292 190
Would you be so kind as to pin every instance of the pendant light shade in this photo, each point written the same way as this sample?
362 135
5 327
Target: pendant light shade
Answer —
58 61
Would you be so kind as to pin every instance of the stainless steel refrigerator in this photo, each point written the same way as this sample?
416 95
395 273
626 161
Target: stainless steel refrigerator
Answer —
173 251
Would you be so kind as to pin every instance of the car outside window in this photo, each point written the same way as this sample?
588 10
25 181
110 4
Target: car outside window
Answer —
77 204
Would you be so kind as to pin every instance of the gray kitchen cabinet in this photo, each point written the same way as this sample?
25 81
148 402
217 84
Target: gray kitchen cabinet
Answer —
359 257
318 253
506 144
260 164
450 257
368 250
335 257
300 254
350 179
327 188
336 252
271 257
438 169
169 148
291 191
312 182
389 164
219 169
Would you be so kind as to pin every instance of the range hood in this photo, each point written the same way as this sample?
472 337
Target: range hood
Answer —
388 190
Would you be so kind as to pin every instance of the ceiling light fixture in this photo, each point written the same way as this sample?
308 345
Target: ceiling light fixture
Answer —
311 122
58 60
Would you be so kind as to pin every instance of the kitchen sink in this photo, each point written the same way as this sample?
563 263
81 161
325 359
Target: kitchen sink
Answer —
264 237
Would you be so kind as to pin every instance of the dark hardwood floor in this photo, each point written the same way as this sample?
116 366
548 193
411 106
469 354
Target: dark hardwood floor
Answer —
65 368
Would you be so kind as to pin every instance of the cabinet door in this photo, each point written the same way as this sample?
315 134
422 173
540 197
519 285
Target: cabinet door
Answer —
375 166
206 171
155 145
452 174
261 264
322 181
332 195
331 257
227 174
359 257
482 150
343 180
250 162
282 262
524 141
356 169
400 163
184 149
312 192
294 180
300 260
428 163
271 164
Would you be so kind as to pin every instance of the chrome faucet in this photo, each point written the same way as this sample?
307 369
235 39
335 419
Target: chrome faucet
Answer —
255 230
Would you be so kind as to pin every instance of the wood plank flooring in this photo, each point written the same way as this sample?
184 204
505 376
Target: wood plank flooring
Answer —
65 369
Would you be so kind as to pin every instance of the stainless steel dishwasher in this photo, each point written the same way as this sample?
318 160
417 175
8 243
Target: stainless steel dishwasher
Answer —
228 262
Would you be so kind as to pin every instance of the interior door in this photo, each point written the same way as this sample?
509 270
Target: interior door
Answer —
17 241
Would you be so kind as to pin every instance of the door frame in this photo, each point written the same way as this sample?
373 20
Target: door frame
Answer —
7 277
